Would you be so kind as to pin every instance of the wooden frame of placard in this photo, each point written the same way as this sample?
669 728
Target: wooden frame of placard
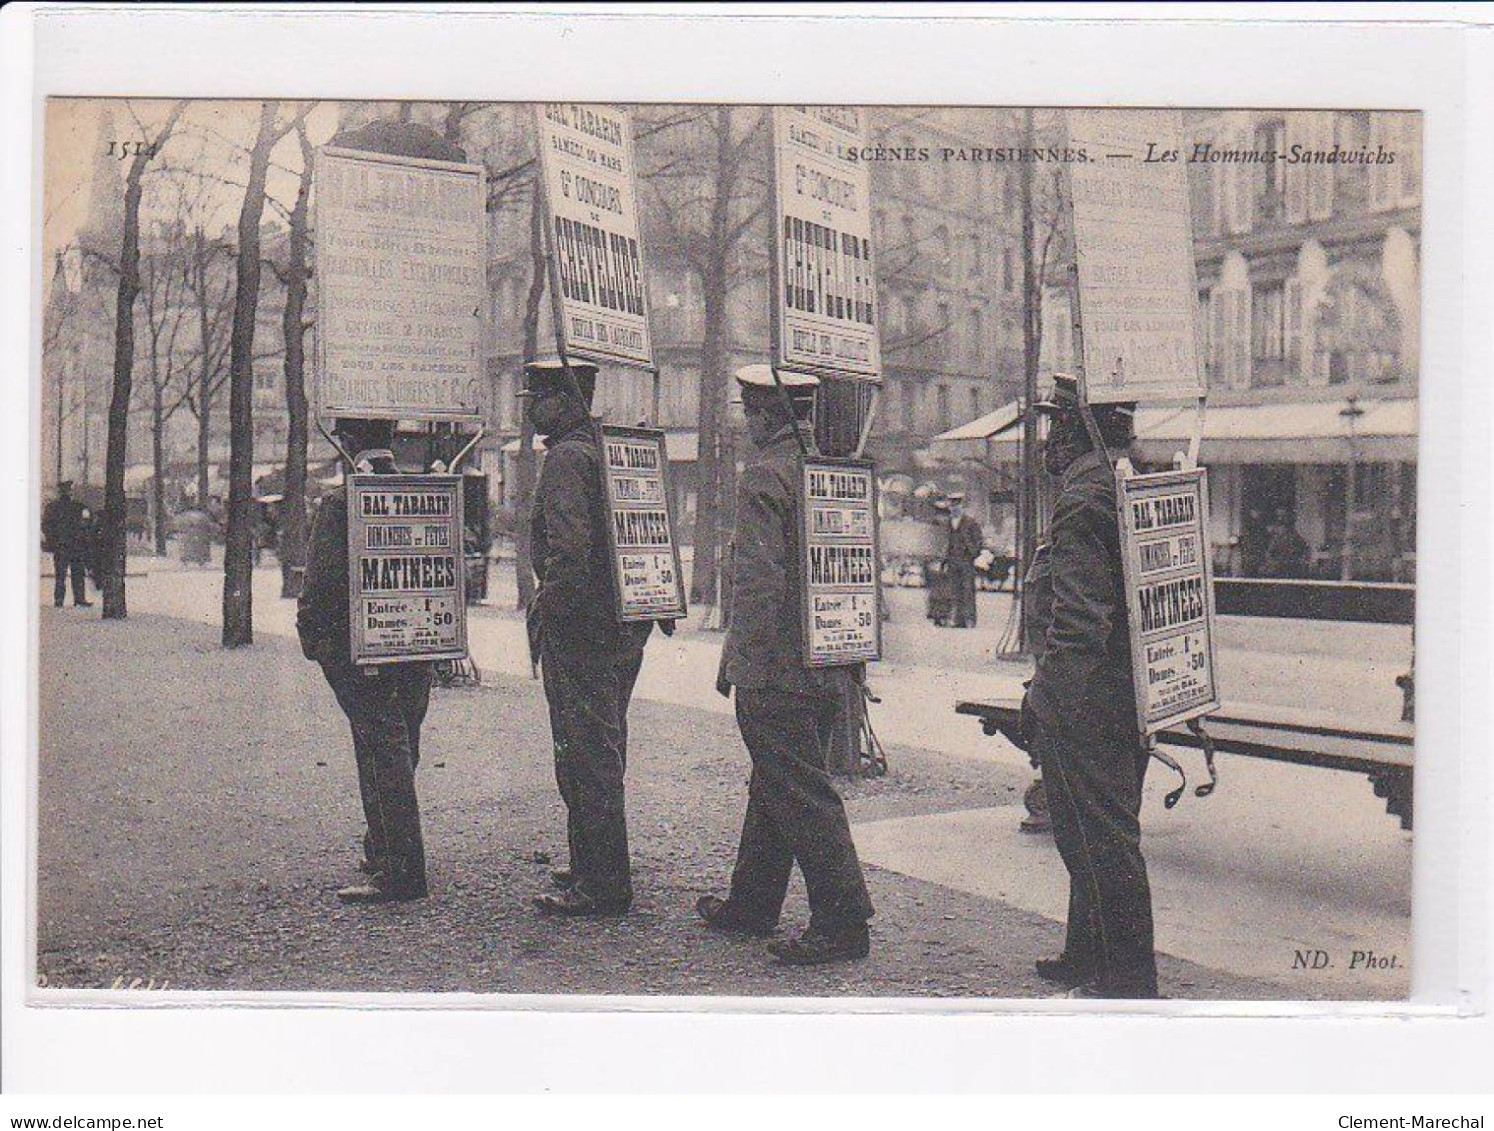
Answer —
654 437
806 465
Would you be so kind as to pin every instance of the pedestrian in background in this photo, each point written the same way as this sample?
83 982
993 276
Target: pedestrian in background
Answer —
966 540
385 703
1079 714
589 659
786 711
65 522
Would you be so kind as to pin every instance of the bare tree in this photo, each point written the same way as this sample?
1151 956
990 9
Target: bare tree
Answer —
113 533
164 297
238 555
705 201
211 293
297 270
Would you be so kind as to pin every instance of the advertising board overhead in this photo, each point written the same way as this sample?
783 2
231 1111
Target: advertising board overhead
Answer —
824 278
595 247
401 275
1133 240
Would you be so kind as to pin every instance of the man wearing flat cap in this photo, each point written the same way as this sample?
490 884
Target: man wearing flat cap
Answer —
1079 714
589 659
385 703
785 710
65 535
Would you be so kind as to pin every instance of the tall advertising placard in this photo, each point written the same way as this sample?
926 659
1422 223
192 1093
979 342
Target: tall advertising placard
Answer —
1136 284
640 532
596 249
405 573
838 539
1169 594
825 306
401 271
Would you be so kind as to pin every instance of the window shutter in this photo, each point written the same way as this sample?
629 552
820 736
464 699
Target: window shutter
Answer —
1320 176
1296 175
1247 179
1218 374
1293 300
1382 194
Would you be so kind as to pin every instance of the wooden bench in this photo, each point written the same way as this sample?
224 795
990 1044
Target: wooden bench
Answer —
1279 734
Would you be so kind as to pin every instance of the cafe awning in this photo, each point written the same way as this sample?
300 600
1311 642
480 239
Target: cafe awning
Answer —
1305 432
1294 433
975 439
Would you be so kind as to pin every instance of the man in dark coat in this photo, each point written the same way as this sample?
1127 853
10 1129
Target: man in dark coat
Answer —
965 542
785 710
589 659
1079 716
65 526
385 704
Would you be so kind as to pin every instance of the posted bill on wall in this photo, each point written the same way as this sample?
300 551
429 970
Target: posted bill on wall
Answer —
406 588
826 298
596 251
839 540
645 552
1133 243
1170 594
401 270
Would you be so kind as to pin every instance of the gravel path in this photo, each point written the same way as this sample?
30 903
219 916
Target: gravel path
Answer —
198 808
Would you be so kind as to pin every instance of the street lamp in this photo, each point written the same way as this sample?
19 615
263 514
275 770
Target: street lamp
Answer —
1351 412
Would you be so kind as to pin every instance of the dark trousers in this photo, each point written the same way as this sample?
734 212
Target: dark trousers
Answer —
963 586
588 691
386 711
795 814
1094 799
66 562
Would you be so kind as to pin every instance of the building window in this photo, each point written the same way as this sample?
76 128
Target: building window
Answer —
974 401
1351 132
942 249
1008 192
977 255
1268 335
1206 320
977 342
1270 137
942 401
910 403
1006 269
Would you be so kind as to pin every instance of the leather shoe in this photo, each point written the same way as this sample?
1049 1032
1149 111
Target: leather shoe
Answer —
1065 971
563 878
574 902
720 915
378 890
815 947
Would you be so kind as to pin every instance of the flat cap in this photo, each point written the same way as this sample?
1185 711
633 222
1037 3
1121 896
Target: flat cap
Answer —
1062 396
760 376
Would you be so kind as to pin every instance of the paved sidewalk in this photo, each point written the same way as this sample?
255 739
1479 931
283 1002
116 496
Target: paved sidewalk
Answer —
198 807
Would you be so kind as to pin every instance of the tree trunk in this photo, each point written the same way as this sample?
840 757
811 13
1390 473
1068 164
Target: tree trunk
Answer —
710 462
524 487
113 526
113 532
158 466
1027 519
238 555
205 373
204 443
292 545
